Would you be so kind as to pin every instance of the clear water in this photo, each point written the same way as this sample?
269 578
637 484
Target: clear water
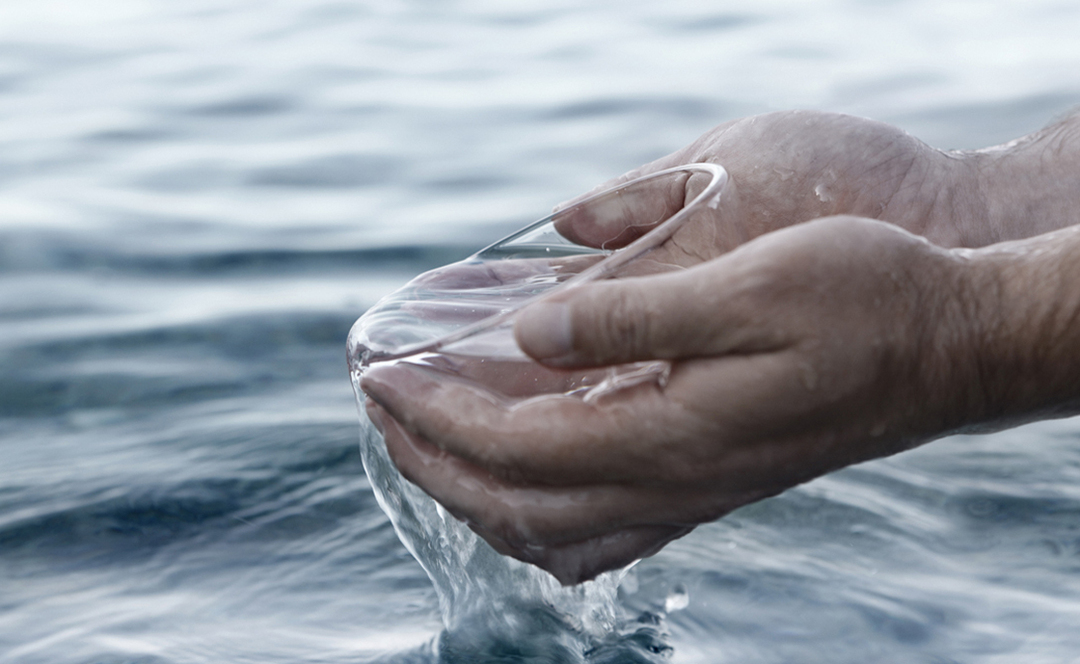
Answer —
198 199
456 320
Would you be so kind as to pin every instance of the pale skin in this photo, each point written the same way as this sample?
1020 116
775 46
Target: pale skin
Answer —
857 294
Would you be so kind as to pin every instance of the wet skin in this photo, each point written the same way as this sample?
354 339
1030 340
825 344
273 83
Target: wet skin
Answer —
796 348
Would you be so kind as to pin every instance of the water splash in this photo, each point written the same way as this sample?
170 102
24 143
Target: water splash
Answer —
495 608
677 600
457 320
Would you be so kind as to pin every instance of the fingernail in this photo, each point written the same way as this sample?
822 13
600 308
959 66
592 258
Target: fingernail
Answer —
543 330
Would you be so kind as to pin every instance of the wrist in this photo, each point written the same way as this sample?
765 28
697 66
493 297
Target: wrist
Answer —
1015 308
960 216
1030 186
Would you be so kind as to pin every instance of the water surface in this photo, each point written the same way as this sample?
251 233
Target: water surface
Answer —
198 199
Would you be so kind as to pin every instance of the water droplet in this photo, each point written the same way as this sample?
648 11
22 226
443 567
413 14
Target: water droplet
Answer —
823 193
678 600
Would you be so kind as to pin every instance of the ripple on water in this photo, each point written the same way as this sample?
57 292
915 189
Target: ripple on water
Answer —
198 200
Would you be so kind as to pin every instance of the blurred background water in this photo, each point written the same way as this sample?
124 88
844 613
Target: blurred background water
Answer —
198 199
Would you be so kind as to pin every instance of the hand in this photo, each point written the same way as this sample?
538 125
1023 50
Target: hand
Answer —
794 166
800 352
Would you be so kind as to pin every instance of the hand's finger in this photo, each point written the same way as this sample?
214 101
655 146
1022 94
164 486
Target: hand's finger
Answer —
584 561
704 311
525 519
556 439
700 419
513 378
577 562
705 415
685 485
570 563
617 219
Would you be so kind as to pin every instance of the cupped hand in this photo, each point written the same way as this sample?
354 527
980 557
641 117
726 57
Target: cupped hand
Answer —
796 354
793 166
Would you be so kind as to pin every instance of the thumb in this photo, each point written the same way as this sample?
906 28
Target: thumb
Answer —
667 161
618 212
664 316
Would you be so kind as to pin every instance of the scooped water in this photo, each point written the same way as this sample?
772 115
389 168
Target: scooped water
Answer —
492 606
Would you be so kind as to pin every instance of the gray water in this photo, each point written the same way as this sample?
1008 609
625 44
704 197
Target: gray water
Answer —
198 199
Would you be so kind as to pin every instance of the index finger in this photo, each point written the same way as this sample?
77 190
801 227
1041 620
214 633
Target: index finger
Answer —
516 517
549 439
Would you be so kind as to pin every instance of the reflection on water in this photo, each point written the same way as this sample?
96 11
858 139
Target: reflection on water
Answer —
198 199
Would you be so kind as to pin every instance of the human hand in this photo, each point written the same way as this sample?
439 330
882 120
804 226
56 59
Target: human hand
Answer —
798 353
803 351
794 166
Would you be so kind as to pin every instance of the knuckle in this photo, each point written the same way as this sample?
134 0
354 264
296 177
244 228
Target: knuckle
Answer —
624 326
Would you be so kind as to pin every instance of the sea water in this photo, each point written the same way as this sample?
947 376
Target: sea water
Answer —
198 199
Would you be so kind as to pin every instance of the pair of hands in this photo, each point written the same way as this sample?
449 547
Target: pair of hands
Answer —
796 349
